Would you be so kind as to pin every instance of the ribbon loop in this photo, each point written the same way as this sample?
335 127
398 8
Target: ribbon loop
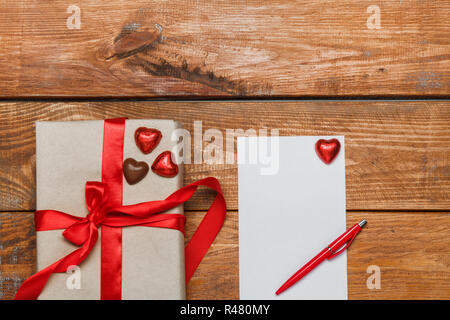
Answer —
96 202
78 233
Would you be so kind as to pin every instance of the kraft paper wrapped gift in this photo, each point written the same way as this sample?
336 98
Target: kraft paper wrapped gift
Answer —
70 153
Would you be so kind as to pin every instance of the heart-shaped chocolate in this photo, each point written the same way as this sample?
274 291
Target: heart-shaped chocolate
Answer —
147 139
327 150
134 171
164 166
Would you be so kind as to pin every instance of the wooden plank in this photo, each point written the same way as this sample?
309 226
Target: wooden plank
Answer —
224 48
218 276
397 154
17 251
18 256
409 248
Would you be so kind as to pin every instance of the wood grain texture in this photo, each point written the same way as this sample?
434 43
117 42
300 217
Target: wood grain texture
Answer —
17 251
411 250
224 48
397 153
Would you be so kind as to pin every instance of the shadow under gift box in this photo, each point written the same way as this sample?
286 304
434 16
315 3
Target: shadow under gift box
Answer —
67 155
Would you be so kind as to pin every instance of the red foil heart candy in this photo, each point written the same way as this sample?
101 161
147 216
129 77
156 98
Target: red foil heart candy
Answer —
327 150
164 166
147 139
134 171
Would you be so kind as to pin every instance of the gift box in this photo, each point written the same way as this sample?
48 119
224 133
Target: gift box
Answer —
129 236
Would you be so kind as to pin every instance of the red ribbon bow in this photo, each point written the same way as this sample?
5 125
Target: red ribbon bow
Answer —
103 213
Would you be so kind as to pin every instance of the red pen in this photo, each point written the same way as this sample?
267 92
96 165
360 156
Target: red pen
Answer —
328 253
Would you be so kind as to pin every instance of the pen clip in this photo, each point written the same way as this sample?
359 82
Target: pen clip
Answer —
349 242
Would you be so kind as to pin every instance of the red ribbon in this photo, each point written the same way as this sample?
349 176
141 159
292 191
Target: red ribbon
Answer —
104 204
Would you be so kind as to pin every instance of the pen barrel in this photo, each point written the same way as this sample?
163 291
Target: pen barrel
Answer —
314 262
344 238
303 271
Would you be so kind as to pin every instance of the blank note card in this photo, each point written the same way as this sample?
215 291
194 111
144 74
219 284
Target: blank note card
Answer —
291 206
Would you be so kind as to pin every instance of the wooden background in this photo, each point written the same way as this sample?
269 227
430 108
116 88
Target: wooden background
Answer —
127 53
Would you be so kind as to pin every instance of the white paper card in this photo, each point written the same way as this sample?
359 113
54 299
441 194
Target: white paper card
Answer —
287 216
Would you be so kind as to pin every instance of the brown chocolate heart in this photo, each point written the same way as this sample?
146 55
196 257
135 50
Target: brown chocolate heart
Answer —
134 171
164 166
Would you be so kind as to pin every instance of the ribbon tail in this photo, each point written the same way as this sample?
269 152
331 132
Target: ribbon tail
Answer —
52 220
207 230
33 286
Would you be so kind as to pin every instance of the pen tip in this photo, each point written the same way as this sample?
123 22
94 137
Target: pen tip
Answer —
362 223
